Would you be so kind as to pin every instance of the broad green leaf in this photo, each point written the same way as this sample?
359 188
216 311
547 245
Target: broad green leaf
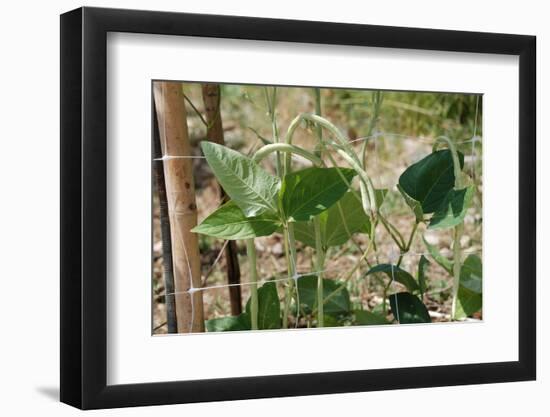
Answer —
339 302
444 262
305 233
252 188
429 180
468 302
342 220
332 321
471 274
415 206
230 323
269 307
407 308
423 264
367 318
397 274
453 209
338 223
229 222
311 191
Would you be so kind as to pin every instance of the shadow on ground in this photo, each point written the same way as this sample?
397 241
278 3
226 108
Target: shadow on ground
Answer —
50 392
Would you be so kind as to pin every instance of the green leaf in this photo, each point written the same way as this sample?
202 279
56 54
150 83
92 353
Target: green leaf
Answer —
367 318
311 191
415 206
338 223
407 309
453 209
471 274
397 274
429 180
269 307
305 233
444 262
423 264
229 222
468 302
332 321
230 323
470 299
249 186
339 303
342 220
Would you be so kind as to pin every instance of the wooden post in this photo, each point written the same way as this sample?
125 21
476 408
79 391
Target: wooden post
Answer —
180 191
212 98
168 266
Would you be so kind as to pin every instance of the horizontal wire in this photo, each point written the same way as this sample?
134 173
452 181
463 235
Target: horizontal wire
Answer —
418 138
169 157
466 251
295 277
474 139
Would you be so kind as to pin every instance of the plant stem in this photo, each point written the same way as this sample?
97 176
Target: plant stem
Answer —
317 226
320 265
457 254
292 248
251 253
400 259
318 113
290 245
415 227
347 277
271 104
291 263
398 239
456 268
288 288
262 153
372 123
408 247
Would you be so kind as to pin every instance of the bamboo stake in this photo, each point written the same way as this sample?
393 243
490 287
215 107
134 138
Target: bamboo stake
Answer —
168 270
180 190
212 98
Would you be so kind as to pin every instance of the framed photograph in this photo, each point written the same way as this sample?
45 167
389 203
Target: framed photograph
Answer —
258 208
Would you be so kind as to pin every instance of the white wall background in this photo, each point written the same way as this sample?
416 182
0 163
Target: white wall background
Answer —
29 225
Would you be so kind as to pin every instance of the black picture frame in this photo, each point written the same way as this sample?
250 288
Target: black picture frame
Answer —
84 207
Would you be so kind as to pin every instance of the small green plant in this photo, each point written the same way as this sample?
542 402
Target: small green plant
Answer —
324 206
